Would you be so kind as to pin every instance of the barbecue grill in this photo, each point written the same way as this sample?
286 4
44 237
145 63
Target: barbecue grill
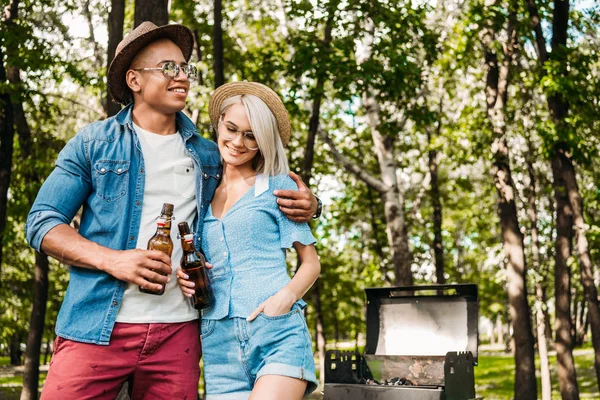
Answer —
421 345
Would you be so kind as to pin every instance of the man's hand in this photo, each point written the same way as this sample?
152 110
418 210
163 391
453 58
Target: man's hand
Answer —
278 304
150 269
298 205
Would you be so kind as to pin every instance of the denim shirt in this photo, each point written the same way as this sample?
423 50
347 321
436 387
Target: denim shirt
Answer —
247 248
102 169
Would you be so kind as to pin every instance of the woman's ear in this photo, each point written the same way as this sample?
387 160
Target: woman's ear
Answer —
132 81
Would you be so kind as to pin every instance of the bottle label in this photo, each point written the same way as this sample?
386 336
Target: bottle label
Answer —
189 237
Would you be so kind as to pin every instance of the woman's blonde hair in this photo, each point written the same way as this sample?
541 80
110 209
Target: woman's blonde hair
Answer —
271 158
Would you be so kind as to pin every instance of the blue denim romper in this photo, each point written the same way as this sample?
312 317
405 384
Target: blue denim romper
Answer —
247 248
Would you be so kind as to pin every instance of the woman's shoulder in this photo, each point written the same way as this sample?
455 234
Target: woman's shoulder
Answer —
282 182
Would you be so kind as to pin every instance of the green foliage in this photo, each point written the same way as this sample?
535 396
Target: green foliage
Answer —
425 67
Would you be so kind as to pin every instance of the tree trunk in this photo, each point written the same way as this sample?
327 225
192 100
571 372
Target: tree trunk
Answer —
512 238
582 322
219 63
116 19
438 246
539 285
7 135
320 330
561 172
98 56
47 350
15 349
585 262
374 229
155 11
387 186
392 198
306 176
31 372
567 379
500 329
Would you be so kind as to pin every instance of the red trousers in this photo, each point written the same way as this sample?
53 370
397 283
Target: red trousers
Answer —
160 360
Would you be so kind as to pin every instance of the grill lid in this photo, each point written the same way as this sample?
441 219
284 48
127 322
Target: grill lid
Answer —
422 320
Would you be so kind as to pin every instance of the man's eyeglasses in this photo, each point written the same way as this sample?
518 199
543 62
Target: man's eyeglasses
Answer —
231 133
171 70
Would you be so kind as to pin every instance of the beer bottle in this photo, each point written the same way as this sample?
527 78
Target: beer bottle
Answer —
193 264
162 239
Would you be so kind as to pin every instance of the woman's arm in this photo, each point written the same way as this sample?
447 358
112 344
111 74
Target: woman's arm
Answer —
307 274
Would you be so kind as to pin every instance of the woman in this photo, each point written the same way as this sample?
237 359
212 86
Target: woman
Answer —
255 340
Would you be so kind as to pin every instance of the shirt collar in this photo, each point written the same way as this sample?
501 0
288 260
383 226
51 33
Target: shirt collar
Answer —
261 184
184 125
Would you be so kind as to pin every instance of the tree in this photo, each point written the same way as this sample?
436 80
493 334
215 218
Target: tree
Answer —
155 11
7 131
115 35
570 209
498 79
540 292
219 64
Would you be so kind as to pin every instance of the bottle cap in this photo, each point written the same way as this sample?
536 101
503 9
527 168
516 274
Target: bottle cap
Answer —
167 209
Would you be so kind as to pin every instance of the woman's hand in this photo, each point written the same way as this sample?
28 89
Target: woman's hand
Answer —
278 304
187 286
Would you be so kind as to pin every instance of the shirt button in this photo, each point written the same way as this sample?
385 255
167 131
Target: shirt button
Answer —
119 170
225 253
222 239
115 303
131 237
102 169
137 203
142 170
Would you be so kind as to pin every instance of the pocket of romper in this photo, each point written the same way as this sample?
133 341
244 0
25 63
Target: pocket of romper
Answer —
112 179
185 179
207 327
288 314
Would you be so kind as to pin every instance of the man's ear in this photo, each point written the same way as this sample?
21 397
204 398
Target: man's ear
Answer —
132 81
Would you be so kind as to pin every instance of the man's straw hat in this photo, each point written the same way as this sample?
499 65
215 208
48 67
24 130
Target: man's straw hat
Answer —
266 94
137 39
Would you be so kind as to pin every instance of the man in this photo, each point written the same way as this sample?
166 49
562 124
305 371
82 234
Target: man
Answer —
122 170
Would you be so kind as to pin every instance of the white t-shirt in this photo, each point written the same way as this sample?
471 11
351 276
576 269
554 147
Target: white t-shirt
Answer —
170 178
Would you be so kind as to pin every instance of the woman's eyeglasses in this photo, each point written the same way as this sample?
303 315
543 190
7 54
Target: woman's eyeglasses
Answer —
231 133
171 70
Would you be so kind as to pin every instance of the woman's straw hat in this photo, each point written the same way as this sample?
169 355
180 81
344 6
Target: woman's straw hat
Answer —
266 94
131 45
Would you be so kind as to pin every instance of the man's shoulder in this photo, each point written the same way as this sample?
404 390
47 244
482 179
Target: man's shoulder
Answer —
107 130
207 149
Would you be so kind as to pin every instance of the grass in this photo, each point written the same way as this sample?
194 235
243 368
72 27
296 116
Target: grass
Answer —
494 377
11 380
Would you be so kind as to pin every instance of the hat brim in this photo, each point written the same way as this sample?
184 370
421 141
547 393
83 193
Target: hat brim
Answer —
117 85
266 94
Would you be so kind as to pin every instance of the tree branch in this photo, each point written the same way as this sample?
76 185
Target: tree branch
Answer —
537 29
98 59
350 166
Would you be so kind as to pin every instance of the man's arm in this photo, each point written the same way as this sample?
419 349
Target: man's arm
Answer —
298 205
66 245
57 202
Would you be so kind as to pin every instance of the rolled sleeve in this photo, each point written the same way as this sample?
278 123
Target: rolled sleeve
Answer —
62 194
291 232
